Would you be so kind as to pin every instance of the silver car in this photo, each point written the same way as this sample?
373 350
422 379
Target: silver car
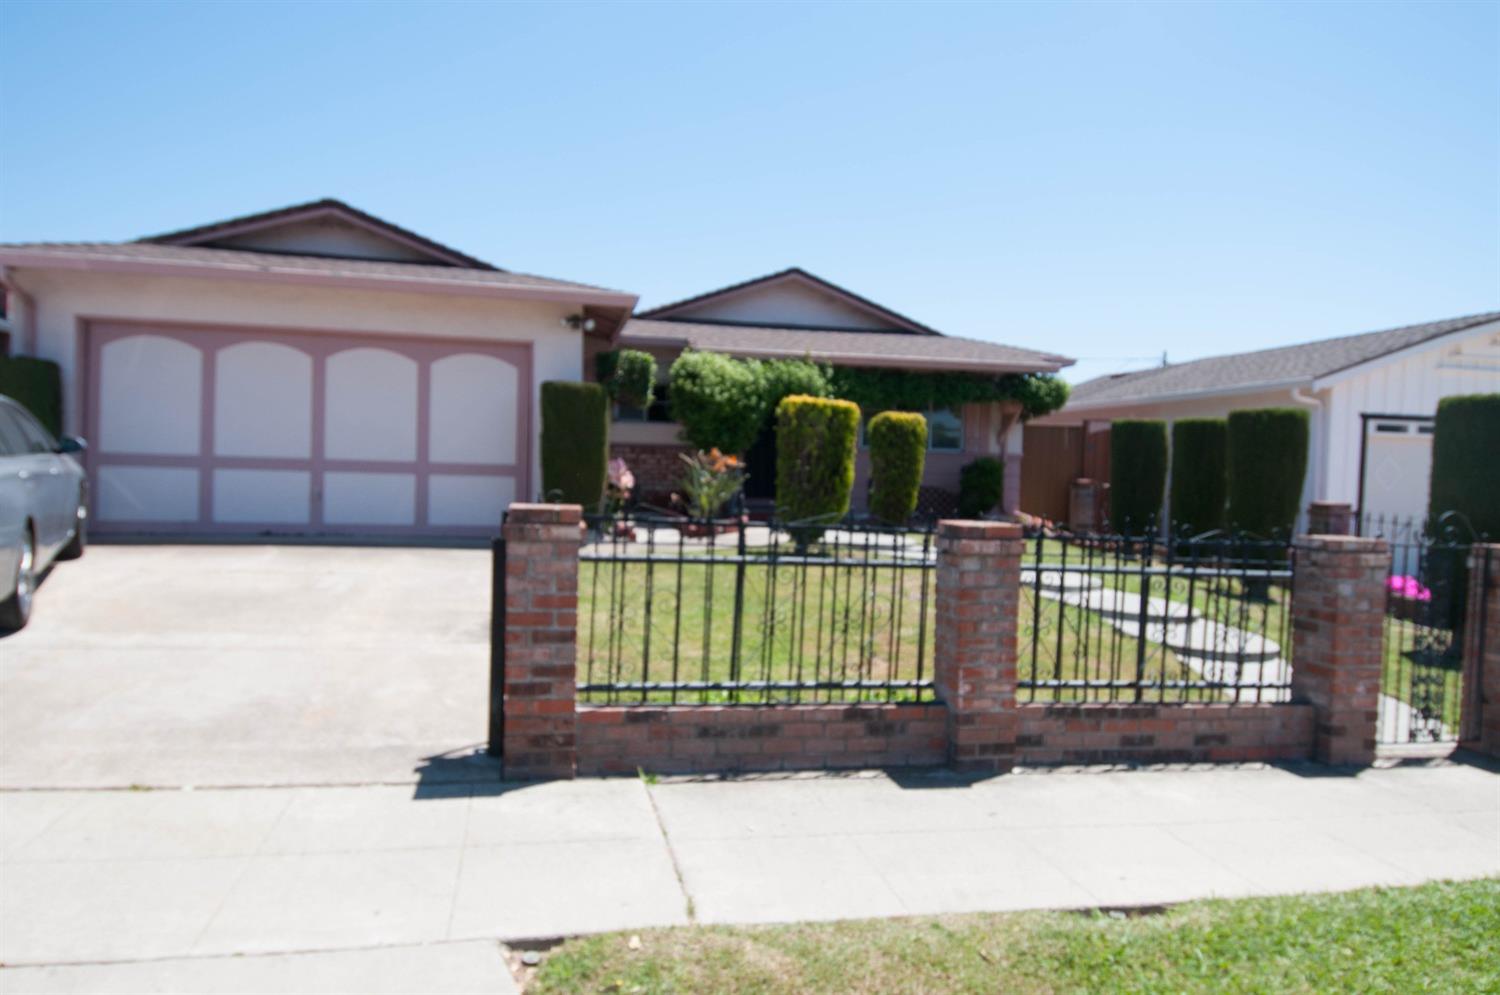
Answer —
43 507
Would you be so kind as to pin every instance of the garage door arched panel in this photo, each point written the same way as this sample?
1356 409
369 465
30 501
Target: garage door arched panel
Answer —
263 401
169 372
370 406
473 410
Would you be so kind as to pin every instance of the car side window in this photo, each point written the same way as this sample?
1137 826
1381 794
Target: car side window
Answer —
37 439
12 442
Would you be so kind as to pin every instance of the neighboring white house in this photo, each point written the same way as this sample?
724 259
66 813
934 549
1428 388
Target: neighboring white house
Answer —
1371 398
312 370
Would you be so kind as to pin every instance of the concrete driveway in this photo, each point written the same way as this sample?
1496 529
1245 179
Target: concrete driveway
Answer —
247 665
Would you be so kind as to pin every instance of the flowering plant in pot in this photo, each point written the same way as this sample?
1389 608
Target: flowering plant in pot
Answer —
1409 597
711 480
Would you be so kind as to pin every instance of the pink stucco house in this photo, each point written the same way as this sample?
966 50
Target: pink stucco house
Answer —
316 370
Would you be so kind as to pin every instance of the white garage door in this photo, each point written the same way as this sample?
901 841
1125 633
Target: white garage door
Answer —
1398 469
223 431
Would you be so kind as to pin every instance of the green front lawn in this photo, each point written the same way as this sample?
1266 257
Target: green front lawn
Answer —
1434 938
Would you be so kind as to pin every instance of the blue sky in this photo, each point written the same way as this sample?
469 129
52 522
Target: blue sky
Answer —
1106 180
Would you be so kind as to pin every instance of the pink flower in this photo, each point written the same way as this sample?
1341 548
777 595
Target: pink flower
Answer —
1409 588
620 476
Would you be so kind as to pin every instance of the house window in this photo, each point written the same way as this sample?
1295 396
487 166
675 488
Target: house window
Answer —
945 430
658 412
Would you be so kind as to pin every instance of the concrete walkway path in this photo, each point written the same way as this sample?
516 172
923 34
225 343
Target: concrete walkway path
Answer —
408 887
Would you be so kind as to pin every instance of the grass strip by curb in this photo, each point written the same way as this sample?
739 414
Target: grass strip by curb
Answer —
1441 937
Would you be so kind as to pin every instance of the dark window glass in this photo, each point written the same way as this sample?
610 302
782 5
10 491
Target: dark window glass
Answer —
658 412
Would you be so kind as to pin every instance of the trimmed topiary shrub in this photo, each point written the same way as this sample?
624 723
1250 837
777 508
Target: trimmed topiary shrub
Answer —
1137 473
575 443
37 385
1267 464
981 485
898 450
724 403
1466 462
815 440
1200 473
628 376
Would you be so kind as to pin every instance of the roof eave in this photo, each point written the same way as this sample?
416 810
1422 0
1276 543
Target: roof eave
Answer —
270 273
1190 395
1049 364
1334 377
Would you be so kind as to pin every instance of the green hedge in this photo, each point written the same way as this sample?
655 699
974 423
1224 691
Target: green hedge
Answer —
1200 473
575 443
628 376
898 450
815 440
37 385
1466 461
1267 464
724 403
1137 473
981 485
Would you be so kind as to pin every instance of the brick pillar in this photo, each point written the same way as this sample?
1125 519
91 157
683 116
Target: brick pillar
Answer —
1480 723
1330 518
1338 620
974 661
541 630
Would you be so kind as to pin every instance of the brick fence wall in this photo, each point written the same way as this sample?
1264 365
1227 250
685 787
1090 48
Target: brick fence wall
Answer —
976 724
1480 728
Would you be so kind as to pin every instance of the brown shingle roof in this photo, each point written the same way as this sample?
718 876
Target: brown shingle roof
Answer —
1284 366
913 350
237 260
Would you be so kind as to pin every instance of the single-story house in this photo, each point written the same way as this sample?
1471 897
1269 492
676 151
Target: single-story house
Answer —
793 314
310 370
315 370
1371 399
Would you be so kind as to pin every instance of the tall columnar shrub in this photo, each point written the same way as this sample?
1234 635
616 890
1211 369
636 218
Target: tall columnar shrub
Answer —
628 376
1466 461
575 443
37 385
898 450
724 403
1138 473
815 440
981 485
1200 473
1267 464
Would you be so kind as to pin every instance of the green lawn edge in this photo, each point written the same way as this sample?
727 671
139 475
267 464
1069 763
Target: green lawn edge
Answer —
1441 937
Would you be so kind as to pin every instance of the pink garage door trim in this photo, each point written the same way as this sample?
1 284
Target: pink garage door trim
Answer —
207 342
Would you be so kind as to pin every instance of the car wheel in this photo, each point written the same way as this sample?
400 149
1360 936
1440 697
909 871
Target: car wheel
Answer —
15 610
74 549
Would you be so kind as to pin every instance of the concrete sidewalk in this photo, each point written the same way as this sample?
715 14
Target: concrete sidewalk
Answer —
160 890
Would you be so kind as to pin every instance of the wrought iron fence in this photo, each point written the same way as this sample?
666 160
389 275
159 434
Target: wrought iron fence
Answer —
1421 678
727 611
1113 618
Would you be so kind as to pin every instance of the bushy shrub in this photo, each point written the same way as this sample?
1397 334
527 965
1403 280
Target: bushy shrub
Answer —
1466 462
1267 464
815 440
898 450
36 384
724 403
628 376
981 485
575 443
1200 473
1137 473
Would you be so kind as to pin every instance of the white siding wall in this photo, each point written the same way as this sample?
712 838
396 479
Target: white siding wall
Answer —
65 298
786 302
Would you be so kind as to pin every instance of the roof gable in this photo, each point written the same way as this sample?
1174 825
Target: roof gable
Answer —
325 228
791 298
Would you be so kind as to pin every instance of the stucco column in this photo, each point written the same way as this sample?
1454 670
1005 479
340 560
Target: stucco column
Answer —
1338 633
974 661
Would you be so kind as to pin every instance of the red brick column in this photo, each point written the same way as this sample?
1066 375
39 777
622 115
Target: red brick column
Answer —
974 662
1480 723
541 629
1330 518
1338 619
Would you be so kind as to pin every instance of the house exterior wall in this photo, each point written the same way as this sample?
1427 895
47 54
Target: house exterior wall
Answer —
324 237
788 302
65 300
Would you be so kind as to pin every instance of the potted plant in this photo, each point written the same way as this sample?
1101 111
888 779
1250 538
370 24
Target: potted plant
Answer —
711 480
619 484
